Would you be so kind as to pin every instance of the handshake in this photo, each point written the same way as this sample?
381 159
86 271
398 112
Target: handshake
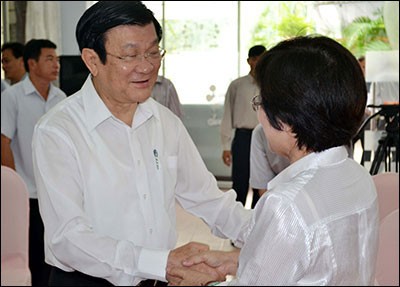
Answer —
194 264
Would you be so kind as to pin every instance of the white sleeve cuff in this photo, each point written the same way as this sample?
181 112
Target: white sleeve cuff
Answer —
153 263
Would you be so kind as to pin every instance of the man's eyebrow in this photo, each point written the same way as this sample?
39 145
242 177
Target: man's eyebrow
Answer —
134 45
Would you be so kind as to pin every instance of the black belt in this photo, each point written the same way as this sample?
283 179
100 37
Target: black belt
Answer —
150 282
244 130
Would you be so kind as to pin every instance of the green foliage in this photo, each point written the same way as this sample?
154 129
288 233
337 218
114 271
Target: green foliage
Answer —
278 21
282 21
366 34
294 25
191 35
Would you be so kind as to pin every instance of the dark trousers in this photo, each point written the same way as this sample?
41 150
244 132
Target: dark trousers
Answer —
60 277
241 165
40 271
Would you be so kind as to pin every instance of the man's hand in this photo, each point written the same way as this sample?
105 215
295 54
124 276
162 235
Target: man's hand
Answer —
190 277
178 255
204 267
227 157
226 263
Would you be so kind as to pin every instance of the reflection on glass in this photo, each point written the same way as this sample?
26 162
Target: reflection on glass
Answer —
207 41
202 47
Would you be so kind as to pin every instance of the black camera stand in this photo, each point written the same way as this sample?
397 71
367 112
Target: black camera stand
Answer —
389 139
384 152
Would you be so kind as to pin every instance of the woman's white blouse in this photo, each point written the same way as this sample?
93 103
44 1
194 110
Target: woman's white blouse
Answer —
316 225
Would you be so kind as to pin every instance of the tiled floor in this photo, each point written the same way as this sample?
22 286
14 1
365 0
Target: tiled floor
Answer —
191 228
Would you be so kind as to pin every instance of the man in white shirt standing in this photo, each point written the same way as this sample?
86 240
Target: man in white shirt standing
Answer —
110 163
12 62
22 105
240 117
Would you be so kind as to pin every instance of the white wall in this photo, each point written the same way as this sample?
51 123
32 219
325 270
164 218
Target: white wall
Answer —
71 11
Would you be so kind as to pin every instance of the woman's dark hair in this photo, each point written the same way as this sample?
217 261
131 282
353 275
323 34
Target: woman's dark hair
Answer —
316 86
104 15
33 48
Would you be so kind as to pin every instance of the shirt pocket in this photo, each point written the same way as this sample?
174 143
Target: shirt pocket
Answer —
172 162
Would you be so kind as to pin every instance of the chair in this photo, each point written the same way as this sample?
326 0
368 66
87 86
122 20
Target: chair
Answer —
387 187
387 263
14 229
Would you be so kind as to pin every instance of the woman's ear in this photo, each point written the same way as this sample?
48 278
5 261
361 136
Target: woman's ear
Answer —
91 60
286 127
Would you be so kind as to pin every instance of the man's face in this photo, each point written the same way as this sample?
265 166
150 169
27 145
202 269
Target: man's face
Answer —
12 66
252 61
128 76
47 67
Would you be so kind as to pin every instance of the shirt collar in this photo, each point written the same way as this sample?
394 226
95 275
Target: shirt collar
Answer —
29 88
145 111
159 79
313 160
252 79
97 111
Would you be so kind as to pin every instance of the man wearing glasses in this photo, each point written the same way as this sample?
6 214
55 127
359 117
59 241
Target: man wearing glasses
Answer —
110 163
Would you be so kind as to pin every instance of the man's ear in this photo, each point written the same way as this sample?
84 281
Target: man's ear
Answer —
31 64
21 62
91 60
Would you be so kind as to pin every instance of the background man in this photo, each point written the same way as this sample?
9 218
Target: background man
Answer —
239 116
12 61
21 107
165 93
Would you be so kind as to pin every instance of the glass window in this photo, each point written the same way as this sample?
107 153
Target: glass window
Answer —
202 47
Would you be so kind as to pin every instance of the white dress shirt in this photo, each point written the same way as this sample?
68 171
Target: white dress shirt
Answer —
107 191
316 225
4 85
21 108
